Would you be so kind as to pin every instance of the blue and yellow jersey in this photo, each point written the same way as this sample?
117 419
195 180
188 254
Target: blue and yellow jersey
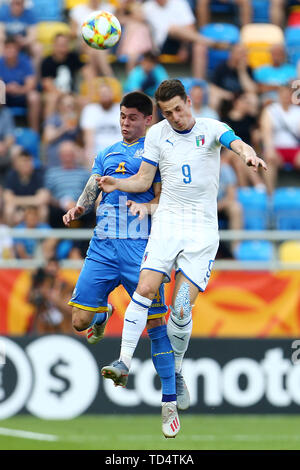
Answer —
114 220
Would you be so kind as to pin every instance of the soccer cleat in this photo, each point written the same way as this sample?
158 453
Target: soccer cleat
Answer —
117 372
96 332
183 396
170 419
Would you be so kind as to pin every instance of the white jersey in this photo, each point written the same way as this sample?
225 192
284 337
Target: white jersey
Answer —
189 164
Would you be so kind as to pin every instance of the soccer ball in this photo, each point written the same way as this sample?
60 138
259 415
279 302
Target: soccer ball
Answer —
101 30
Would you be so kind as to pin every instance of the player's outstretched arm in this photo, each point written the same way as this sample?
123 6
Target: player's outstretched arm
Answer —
138 183
248 154
85 202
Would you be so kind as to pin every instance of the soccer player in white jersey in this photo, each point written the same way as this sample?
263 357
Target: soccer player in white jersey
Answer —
184 233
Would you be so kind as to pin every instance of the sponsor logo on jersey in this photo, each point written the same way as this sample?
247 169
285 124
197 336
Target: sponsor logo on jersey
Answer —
200 140
169 142
139 153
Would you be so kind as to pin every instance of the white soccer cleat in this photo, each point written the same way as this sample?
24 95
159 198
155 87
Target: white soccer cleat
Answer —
170 419
183 396
96 332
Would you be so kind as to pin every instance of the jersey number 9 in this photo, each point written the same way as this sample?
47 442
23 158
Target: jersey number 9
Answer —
186 171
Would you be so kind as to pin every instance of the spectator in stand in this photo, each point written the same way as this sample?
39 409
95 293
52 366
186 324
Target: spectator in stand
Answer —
62 125
24 186
59 72
147 75
97 59
232 76
242 118
229 208
17 73
271 77
49 295
199 107
7 139
6 242
203 9
28 248
65 183
173 20
136 37
19 22
280 131
100 124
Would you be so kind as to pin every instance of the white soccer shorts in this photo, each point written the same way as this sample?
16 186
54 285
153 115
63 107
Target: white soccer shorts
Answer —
194 257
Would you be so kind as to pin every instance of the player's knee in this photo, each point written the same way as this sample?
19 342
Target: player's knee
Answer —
182 308
146 289
80 319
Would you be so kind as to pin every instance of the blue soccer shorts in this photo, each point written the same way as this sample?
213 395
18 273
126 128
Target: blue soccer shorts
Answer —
108 264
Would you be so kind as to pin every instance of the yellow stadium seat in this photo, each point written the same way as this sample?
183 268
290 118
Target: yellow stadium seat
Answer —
289 252
73 3
258 39
91 89
46 32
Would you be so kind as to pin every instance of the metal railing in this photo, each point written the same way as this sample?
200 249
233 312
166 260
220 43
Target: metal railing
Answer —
275 236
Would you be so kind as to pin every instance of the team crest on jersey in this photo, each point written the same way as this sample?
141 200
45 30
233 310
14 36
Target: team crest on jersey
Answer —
139 153
200 140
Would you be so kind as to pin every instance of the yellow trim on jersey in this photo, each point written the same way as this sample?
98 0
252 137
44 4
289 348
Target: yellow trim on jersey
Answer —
132 143
156 315
91 309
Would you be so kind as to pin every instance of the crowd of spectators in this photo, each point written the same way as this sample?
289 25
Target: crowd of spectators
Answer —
44 92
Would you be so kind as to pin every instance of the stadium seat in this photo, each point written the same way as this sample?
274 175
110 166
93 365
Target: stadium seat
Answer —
289 251
255 205
292 43
220 32
46 32
258 39
261 11
286 208
254 250
91 88
30 141
48 11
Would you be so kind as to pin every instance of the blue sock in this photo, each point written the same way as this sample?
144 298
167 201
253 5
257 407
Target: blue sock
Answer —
99 318
163 360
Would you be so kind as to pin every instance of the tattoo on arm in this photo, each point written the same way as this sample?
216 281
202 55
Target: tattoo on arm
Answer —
89 195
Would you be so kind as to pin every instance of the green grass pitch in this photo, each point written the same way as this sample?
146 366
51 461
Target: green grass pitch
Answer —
198 432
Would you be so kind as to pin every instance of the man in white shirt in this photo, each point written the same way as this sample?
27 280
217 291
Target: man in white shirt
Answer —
184 232
100 123
174 19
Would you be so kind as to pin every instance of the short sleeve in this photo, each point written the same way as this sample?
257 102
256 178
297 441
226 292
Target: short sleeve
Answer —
98 165
151 148
224 134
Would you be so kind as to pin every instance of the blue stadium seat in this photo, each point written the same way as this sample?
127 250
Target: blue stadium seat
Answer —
254 250
30 141
46 10
261 11
292 43
255 205
286 208
220 32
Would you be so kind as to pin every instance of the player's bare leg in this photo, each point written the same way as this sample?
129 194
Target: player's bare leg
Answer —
93 322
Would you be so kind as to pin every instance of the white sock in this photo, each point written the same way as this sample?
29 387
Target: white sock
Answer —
179 332
134 323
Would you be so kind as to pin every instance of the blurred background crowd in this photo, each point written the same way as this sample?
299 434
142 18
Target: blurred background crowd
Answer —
238 59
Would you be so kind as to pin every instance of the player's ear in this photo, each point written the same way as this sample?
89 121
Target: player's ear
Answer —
148 120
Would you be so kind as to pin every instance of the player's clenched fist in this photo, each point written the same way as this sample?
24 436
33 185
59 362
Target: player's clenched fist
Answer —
107 183
73 214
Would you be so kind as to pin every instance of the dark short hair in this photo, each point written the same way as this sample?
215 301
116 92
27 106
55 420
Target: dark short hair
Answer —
138 100
168 89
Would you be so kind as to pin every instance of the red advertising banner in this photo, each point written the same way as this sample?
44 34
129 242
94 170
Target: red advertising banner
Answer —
235 304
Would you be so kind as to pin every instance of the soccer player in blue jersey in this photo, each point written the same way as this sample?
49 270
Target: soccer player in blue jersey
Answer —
117 247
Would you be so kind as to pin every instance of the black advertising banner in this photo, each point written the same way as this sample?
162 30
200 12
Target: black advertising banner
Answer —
58 377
